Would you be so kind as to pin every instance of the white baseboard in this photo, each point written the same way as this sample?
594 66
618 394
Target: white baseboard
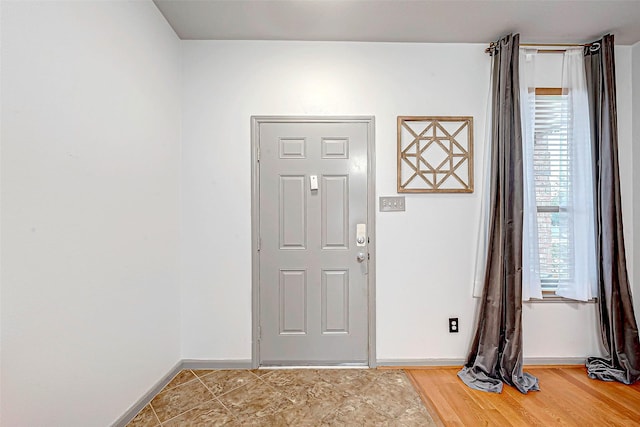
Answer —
554 361
460 362
421 362
216 364
148 396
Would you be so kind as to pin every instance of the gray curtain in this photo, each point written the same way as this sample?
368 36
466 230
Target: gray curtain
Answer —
496 351
618 326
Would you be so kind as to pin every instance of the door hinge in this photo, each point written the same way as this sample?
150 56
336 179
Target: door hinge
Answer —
258 154
259 333
259 243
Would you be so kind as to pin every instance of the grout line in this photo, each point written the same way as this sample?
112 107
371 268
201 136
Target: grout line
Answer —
154 414
257 377
188 410
268 384
228 410
266 374
235 388
178 385
198 376
181 385
208 389
218 399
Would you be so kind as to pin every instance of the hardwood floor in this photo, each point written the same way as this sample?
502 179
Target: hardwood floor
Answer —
567 397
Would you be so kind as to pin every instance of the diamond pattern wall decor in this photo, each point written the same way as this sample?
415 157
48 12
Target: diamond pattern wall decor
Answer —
435 154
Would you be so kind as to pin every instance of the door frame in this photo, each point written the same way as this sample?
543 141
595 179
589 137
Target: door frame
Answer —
256 121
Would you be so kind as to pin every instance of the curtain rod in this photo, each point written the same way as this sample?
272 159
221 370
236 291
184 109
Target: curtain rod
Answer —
593 47
556 44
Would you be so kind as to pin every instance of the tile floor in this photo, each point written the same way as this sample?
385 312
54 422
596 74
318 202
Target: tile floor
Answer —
286 397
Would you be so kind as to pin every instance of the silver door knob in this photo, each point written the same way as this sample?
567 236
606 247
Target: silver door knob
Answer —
360 239
361 256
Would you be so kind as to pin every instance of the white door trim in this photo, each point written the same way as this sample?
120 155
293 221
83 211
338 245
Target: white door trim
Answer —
256 121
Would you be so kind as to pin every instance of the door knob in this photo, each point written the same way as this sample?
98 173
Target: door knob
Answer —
361 256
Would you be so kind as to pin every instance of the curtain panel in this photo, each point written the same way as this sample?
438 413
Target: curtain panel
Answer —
531 286
618 327
495 356
581 284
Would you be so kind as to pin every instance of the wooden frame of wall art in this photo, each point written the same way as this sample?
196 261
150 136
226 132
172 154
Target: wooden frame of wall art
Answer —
435 154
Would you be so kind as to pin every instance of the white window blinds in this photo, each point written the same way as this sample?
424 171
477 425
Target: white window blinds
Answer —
552 166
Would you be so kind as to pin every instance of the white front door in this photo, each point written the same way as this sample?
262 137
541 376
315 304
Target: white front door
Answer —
313 242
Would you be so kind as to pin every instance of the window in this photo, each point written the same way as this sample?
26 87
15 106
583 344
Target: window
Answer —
551 166
558 221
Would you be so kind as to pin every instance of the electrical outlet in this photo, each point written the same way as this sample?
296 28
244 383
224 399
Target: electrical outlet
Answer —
454 325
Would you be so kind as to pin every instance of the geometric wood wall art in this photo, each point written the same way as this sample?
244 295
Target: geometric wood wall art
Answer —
435 154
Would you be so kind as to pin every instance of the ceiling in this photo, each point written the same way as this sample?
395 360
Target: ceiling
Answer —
436 21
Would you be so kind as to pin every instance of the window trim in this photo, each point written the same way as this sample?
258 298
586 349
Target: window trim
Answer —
548 91
548 297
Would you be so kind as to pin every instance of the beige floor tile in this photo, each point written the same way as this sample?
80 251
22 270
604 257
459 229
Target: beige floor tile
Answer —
309 413
224 381
392 376
255 400
287 377
209 414
181 378
177 400
348 381
288 397
145 418
304 386
355 412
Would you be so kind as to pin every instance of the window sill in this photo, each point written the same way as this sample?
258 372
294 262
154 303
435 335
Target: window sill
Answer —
554 299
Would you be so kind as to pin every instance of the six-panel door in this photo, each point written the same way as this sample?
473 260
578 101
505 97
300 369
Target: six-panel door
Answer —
313 294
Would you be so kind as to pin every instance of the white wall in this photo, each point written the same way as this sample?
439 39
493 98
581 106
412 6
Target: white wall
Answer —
90 178
424 255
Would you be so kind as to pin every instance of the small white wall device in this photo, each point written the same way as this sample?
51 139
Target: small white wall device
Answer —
313 182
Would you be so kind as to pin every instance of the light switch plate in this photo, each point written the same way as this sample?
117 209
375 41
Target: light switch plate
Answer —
392 204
